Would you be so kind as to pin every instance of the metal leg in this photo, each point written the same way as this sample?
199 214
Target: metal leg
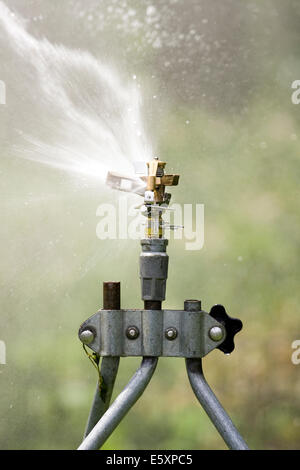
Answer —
212 406
109 370
121 405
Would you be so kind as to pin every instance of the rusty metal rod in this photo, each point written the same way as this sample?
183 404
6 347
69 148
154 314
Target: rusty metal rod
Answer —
111 295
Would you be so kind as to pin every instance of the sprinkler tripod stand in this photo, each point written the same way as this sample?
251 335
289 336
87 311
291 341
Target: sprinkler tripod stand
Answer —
153 332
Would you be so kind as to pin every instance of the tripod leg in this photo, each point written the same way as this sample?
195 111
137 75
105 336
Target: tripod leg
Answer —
120 407
212 406
109 370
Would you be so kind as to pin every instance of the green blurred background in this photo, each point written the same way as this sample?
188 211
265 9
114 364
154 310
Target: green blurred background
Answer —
223 118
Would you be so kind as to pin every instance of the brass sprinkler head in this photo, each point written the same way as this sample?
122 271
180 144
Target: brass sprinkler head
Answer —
157 181
152 187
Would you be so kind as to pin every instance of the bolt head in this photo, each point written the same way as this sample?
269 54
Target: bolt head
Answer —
86 336
171 333
216 333
132 332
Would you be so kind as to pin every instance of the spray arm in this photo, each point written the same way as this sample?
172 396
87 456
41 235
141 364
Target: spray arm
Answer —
126 183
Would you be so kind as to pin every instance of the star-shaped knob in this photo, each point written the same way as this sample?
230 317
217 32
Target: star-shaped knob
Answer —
231 325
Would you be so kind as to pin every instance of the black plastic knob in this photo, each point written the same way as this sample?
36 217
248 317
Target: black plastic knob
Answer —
231 325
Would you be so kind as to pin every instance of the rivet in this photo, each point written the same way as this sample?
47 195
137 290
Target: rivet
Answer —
132 332
171 333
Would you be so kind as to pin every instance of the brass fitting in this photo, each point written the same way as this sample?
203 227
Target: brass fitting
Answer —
157 180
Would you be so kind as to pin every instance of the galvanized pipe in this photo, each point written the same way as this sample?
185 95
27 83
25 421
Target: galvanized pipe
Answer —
152 304
101 401
109 365
212 406
120 407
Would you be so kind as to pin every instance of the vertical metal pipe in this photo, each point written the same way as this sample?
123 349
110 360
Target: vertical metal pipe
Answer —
109 365
152 304
111 295
120 407
212 406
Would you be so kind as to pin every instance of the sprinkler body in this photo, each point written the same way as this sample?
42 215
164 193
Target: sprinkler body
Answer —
153 332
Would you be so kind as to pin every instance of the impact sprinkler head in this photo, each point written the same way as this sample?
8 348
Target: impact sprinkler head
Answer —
156 199
151 186
157 181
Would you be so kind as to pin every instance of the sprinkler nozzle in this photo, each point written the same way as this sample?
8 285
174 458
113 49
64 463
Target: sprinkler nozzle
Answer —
152 188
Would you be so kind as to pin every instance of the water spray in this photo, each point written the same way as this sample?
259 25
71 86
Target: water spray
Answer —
153 332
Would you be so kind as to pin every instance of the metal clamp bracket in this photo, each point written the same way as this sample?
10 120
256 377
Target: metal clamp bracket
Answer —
169 333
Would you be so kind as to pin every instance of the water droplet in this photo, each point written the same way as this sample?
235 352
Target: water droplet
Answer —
157 43
151 10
